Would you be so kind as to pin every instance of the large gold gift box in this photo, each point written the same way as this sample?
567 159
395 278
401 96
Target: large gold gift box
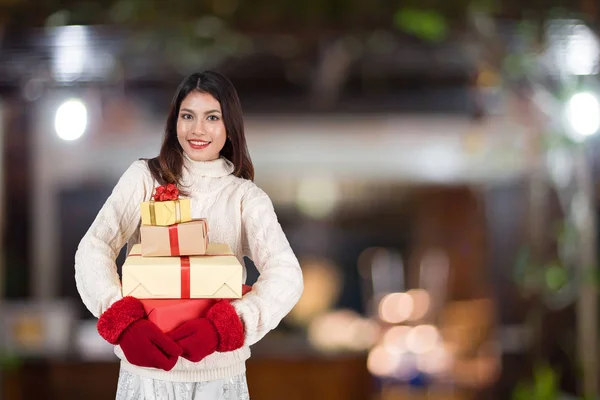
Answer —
185 239
165 213
218 274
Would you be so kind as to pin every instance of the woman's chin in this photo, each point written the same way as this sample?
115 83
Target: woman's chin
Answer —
200 155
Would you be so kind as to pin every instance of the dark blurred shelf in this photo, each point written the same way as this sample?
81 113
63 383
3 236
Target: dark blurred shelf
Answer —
269 378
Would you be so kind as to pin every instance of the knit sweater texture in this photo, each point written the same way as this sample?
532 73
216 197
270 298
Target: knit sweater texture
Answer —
239 213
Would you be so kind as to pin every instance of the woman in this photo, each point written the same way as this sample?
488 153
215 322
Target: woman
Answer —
204 154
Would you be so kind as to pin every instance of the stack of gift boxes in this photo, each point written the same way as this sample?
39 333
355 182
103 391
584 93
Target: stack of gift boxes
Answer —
175 271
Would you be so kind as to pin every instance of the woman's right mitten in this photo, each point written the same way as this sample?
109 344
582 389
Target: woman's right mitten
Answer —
143 343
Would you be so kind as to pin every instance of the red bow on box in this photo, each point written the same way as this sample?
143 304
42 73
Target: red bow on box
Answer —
166 193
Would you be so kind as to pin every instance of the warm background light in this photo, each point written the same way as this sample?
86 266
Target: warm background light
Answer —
396 307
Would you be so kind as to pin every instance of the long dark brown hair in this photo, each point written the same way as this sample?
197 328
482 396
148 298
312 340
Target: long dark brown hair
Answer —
168 166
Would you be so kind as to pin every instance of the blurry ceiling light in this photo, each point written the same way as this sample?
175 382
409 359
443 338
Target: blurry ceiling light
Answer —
440 163
421 303
581 51
322 333
71 119
71 53
317 197
422 338
573 48
329 332
583 114
381 362
394 340
363 333
395 308
343 330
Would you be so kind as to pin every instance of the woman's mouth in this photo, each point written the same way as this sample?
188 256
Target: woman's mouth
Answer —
198 144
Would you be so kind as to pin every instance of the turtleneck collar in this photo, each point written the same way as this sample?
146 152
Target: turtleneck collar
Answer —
215 169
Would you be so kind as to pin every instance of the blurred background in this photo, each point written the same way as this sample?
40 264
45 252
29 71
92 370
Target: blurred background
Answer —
433 164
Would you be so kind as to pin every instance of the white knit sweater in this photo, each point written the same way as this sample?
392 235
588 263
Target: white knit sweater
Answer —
239 214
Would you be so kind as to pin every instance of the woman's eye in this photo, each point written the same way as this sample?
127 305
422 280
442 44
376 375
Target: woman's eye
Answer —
186 116
213 118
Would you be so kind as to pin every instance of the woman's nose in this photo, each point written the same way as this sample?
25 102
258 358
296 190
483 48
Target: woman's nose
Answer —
198 128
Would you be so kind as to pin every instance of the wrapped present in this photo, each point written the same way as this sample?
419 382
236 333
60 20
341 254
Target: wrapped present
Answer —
185 239
218 274
166 208
165 213
168 314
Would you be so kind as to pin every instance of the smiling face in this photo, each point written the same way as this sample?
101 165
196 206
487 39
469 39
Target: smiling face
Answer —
200 127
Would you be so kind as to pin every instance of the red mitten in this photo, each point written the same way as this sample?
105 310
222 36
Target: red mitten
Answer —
142 342
221 330
197 337
145 345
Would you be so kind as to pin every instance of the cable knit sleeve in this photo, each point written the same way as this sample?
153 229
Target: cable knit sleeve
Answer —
96 274
280 283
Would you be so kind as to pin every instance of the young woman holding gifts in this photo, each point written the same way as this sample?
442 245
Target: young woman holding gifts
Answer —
204 154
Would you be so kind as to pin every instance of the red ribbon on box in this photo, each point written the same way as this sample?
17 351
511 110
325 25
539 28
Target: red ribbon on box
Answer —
185 277
174 240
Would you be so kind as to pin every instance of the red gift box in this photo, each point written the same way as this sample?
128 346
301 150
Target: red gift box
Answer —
168 314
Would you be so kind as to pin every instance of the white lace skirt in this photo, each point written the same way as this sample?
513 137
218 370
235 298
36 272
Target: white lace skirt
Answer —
135 387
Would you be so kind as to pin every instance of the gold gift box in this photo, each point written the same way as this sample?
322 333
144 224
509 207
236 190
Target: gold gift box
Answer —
165 213
218 274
